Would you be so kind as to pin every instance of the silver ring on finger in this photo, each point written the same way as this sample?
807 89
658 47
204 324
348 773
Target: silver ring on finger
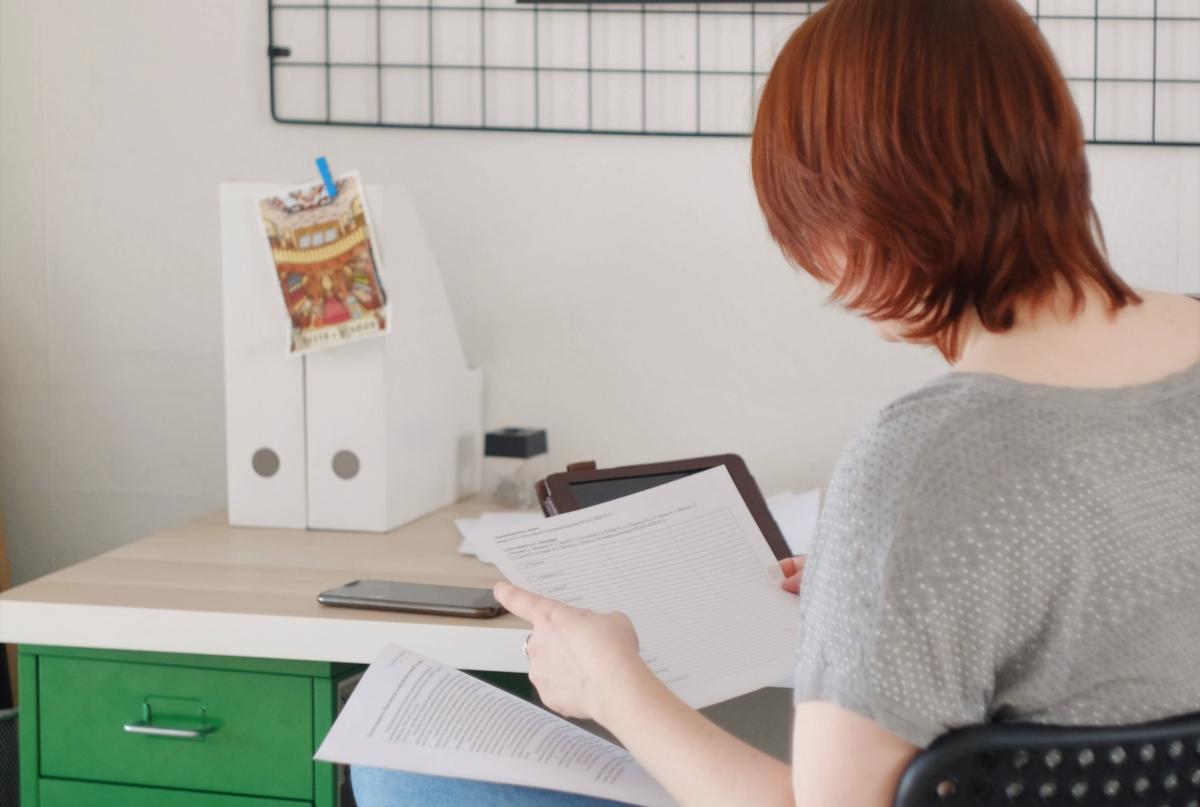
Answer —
525 645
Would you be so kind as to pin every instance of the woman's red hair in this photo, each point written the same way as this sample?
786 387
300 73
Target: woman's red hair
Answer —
926 158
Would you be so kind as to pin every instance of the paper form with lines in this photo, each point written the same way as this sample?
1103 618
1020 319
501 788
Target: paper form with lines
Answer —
687 563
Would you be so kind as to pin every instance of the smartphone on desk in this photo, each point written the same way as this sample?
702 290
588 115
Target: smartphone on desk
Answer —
414 598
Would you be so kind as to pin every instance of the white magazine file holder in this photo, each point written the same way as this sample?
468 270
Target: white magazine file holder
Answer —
404 405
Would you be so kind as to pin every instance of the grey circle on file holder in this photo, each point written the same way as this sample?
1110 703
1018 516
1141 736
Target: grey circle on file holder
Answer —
265 463
345 464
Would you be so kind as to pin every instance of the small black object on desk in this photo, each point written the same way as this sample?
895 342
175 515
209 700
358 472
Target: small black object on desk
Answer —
515 442
514 460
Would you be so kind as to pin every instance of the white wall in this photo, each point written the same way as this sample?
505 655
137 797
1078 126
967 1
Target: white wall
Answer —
620 291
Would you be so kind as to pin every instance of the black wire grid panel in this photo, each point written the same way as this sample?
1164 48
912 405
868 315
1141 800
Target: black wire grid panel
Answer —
666 67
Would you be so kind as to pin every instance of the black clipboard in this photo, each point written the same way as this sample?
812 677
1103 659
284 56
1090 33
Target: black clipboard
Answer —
583 485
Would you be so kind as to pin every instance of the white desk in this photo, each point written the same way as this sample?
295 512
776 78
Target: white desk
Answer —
215 625
208 588
227 618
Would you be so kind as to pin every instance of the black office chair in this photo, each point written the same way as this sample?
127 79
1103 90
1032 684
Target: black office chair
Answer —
1149 765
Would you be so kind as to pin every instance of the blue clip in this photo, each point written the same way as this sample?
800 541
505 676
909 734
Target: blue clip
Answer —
327 178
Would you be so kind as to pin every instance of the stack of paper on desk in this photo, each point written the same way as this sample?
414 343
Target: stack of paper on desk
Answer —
796 514
688 564
491 522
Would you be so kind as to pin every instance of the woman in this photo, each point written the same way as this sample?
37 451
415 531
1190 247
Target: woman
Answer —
1019 539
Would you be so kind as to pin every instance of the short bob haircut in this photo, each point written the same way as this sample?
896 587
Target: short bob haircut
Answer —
926 158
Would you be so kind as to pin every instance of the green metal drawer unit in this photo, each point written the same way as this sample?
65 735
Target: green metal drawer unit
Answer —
103 728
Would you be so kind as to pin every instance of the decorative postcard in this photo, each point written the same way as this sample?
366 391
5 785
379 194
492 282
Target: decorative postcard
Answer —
326 263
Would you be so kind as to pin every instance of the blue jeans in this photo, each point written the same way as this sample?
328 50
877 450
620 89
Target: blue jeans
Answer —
376 787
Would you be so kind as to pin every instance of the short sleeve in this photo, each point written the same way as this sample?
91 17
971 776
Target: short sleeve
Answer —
891 627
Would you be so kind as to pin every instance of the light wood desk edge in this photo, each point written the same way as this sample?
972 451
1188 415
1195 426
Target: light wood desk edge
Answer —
208 588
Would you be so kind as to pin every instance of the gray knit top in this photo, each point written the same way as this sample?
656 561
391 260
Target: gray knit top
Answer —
996 550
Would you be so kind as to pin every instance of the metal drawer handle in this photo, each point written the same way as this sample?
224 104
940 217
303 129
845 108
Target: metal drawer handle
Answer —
142 727
192 728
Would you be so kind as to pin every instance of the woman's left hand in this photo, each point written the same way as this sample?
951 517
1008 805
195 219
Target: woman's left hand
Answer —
577 658
793 572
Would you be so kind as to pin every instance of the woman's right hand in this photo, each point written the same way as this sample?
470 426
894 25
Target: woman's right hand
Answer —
793 569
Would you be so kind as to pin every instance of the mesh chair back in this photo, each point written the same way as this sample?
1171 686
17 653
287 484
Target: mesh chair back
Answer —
1149 765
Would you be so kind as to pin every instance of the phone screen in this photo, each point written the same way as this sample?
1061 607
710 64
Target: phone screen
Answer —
392 595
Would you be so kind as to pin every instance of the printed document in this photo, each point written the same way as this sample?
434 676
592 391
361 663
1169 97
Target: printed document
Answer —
411 713
689 566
